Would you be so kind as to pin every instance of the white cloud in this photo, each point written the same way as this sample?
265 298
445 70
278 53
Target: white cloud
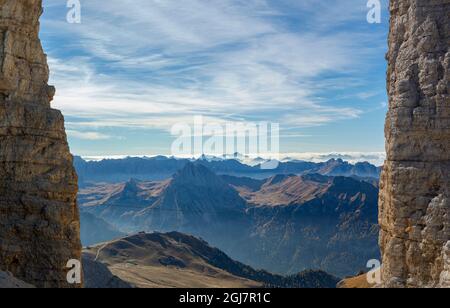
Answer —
153 63
376 158
93 136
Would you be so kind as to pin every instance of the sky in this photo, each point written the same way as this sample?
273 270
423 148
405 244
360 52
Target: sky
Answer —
132 69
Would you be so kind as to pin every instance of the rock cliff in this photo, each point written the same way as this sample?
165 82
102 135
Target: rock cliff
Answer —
415 184
39 220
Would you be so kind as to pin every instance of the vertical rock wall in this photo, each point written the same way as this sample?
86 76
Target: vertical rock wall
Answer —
415 197
39 223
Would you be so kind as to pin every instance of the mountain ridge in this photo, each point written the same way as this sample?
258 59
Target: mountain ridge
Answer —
179 255
162 168
290 228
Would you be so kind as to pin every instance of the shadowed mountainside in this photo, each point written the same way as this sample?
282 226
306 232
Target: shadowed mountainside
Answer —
178 260
94 230
285 224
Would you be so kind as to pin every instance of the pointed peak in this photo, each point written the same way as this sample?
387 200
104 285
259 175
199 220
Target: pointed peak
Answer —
132 185
197 174
194 169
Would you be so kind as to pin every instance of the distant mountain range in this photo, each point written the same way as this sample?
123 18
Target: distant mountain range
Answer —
178 260
160 168
285 223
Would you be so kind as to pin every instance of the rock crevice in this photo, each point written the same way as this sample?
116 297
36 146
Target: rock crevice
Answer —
39 220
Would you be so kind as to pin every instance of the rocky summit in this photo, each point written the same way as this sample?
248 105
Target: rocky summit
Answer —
39 221
415 197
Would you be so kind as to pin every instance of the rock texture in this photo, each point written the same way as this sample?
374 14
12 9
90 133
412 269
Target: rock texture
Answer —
445 275
98 276
415 184
7 281
39 223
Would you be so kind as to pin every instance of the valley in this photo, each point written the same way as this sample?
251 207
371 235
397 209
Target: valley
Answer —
285 223
199 80
176 260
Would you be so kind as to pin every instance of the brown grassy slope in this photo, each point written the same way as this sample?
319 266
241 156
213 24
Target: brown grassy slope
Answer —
159 261
287 189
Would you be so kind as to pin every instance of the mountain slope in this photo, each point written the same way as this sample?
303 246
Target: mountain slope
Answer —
335 230
94 230
178 260
285 224
287 190
338 167
199 202
114 202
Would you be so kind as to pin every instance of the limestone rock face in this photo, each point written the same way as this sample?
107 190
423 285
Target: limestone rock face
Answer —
39 220
445 275
415 184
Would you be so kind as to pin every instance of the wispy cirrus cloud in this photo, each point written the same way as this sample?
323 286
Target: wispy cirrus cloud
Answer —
84 135
152 63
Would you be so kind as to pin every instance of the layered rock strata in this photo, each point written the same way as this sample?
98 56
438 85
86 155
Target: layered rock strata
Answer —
39 221
415 184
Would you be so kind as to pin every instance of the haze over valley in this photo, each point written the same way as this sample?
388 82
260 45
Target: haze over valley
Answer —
300 216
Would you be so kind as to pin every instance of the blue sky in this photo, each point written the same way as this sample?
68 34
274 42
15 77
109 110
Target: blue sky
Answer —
133 68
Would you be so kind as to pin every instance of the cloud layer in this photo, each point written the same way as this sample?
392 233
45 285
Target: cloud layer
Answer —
154 63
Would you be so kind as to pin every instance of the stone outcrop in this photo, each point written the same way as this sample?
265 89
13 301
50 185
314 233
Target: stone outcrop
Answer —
39 221
445 274
415 184
98 276
7 281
